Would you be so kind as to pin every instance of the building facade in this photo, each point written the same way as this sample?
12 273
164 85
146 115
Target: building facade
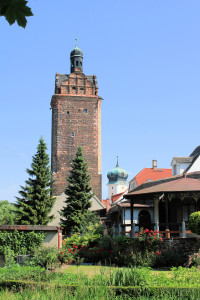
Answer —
76 121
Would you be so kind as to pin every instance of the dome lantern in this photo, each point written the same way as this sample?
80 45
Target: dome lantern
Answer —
76 58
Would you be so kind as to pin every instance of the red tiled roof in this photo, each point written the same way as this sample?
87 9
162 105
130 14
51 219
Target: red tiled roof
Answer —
180 185
115 197
152 174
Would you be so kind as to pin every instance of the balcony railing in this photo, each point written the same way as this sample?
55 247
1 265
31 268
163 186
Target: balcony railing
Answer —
168 230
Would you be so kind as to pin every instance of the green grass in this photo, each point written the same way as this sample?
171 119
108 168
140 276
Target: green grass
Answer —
94 270
85 270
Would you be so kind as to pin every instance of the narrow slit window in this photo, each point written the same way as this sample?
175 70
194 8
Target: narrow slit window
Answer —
72 134
67 113
77 63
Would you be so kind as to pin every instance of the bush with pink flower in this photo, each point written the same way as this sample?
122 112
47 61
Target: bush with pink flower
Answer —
193 260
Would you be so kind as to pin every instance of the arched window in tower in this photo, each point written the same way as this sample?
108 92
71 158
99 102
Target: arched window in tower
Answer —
85 111
77 63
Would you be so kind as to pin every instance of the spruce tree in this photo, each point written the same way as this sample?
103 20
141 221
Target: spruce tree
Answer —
78 194
36 200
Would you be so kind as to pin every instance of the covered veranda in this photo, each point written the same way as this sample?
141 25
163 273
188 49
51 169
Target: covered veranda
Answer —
173 201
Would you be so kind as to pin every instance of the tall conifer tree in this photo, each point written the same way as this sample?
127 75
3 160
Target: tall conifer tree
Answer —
78 194
36 202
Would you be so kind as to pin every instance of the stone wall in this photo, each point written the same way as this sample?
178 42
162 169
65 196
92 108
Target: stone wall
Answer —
186 245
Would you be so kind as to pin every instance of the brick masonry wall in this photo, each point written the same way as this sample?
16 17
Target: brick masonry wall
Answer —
76 121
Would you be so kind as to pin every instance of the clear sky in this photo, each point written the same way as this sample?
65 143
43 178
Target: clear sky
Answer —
146 55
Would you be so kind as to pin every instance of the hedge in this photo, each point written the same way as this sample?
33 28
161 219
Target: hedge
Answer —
131 291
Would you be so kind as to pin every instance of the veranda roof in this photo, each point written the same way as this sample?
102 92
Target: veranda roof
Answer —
180 185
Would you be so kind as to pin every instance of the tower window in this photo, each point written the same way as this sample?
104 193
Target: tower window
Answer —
73 87
67 113
77 63
72 134
81 63
85 111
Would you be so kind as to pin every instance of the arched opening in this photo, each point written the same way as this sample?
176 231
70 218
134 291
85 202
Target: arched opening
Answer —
144 219
175 213
161 214
189 206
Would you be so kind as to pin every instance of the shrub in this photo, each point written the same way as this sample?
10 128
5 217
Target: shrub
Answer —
9 257
169 259
148 240
194 222
193 260
45 257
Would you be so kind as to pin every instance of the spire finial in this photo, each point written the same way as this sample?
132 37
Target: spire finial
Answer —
76 41
117 165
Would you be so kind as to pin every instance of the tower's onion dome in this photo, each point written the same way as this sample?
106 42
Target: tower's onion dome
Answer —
76 52
117 174
76 58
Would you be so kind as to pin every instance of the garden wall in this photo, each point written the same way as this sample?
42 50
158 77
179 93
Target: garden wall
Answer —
53 233
186 245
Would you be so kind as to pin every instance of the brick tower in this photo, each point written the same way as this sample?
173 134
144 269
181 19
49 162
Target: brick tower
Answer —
76 120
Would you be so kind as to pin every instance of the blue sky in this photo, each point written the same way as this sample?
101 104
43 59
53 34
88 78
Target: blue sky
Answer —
146 55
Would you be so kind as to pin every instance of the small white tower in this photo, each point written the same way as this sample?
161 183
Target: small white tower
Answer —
117 181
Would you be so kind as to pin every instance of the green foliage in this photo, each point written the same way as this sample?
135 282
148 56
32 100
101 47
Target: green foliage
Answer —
8 213
9 256
20 242
15 10
36 203
46 257
194 222
124 283
78 195
79 240
89 224
17 272
128 277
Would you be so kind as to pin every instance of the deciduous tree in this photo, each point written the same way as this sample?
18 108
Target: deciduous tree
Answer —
15 10
7 213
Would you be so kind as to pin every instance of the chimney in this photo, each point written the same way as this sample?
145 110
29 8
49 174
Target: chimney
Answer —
154 164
